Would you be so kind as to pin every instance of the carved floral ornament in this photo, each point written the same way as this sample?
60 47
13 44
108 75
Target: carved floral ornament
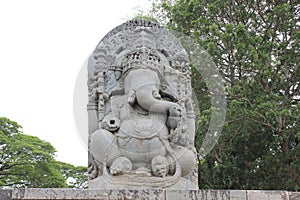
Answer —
141 118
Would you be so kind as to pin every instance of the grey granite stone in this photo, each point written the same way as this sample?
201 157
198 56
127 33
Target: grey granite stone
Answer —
238 194
267 195
230 195
207 194
76 194
141 118
294 195
66 194
198 194
5 194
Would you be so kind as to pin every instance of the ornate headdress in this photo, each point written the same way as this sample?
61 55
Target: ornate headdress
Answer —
142 58
134 42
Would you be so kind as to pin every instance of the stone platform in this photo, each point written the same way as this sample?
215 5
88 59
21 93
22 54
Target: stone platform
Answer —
75 194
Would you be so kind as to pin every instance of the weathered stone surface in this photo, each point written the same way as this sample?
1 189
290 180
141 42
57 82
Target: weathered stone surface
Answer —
76 194
5 194
238 194
232 195
267 195
207 194
294 195
66 194
198 194
141 117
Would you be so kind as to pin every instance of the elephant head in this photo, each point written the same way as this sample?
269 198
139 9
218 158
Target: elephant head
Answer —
142 86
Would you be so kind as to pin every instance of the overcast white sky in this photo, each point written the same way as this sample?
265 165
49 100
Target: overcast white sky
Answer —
43 45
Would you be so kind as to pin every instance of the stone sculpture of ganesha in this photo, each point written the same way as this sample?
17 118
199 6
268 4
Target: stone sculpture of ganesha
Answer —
141 120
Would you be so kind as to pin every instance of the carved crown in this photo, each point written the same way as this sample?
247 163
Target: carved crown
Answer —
143 58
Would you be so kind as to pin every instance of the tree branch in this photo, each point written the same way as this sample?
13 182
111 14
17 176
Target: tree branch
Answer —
267 125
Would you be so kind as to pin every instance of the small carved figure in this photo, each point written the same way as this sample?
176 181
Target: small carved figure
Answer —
159 166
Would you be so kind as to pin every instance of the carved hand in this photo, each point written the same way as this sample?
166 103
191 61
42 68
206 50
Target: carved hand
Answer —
111 123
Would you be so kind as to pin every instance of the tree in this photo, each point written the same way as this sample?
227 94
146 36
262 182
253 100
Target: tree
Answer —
27 161
76 177
255 46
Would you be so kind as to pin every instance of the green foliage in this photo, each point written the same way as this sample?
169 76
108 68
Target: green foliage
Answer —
76 177
145 17
255 46
27 161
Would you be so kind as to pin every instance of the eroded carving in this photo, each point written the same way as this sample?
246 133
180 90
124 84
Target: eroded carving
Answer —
141 119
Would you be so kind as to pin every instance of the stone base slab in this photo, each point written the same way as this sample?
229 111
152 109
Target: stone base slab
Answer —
76 194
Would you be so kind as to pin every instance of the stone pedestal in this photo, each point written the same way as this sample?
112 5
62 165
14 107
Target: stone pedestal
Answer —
75 194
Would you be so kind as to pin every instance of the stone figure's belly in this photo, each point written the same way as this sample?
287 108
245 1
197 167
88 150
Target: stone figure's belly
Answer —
141 142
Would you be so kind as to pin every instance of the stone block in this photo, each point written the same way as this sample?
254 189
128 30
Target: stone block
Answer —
5 194
90 194
76 194
205 194
267 195
238 194
294 196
